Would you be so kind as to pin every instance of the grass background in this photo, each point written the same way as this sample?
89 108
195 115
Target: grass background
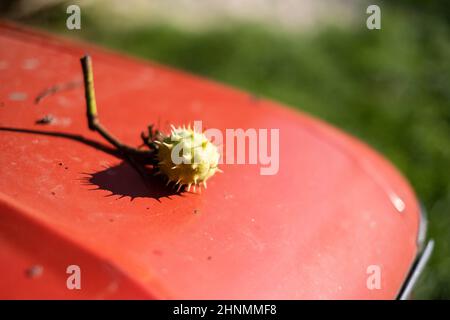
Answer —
390 88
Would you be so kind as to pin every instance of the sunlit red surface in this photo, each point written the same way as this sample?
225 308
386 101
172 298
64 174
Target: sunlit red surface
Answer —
308 232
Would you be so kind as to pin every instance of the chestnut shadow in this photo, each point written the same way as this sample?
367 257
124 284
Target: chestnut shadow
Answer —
122 180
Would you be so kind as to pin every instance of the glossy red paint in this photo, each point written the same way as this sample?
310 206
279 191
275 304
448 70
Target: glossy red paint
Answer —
308 232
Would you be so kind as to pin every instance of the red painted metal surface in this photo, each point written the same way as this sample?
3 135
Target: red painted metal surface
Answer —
309 232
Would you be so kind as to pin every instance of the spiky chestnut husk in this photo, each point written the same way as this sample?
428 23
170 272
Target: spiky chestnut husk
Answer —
200 158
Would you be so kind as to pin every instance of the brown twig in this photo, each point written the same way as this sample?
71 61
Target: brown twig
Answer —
91 112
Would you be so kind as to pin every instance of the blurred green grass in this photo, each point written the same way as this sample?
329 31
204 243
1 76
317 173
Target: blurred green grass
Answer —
390 88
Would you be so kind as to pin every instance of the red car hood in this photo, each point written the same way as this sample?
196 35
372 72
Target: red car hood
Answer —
311 231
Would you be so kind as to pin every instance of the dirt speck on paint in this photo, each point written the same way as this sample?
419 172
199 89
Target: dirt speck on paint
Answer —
57 88
30 64
47 119
34 271
17 96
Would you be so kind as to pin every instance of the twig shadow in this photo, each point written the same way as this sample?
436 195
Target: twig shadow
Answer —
75 137
123 180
